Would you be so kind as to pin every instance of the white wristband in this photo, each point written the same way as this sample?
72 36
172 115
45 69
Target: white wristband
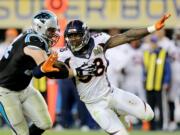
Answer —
151 29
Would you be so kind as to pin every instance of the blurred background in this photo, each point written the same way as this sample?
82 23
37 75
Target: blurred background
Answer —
130 66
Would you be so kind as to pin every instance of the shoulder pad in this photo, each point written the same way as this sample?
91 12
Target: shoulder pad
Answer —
63 54
36 40
101 37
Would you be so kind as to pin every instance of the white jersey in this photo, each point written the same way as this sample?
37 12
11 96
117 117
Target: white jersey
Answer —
91 88
167 44
133 65
133 71
116 63
3 47
176 65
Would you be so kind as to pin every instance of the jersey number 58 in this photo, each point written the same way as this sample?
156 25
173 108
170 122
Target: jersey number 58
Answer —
99 70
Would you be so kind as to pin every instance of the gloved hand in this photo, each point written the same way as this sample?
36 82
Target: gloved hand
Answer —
86 70
47 66
159 24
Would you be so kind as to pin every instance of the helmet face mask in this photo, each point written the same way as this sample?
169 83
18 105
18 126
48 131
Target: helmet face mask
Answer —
76 35
75 41
45 24
52 36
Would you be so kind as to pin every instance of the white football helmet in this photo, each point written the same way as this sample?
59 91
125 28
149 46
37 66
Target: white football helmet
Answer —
45 24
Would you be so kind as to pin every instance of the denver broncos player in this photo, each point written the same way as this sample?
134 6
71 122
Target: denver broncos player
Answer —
24 58
85 55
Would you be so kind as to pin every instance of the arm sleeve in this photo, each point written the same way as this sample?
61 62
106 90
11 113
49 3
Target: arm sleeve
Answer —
63 71
61 74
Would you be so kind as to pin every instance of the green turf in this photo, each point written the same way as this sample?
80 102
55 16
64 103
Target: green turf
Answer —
77 132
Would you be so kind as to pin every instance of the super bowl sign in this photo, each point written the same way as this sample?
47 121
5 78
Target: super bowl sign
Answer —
96 13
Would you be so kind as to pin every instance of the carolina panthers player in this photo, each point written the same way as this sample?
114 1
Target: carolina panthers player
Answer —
85 55
24 58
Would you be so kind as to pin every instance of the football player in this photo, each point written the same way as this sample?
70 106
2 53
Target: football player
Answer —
133 69
24 58
85 56
174 93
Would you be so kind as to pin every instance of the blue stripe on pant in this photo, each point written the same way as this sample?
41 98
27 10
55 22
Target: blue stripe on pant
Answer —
4 115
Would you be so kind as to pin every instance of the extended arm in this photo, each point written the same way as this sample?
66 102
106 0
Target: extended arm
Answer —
135 34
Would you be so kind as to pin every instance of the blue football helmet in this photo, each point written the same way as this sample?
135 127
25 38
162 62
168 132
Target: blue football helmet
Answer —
77 35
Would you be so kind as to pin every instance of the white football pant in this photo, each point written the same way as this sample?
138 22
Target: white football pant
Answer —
26 104
119 102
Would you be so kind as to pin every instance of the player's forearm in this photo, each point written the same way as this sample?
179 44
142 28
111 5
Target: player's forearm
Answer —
135 34
126 37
